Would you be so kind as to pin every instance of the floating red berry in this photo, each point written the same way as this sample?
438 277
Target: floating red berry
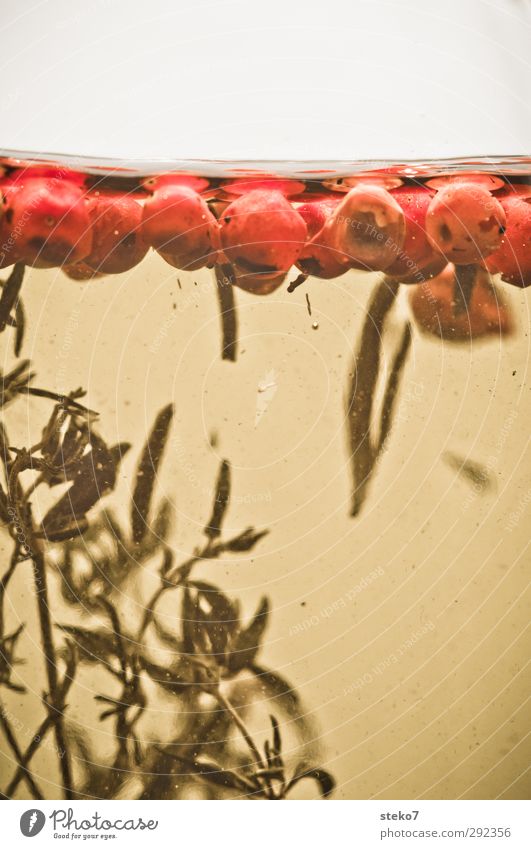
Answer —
157 181
9 236
242 185
259 284
318 258
376 178
512 189
81 272
465 222
117 243
50 220
179 225
261 233
513 257
32 171
418 259
487 181
369 227
439 310
316 213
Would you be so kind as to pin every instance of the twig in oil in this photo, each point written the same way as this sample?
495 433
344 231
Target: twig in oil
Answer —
12 740
227 312
55 705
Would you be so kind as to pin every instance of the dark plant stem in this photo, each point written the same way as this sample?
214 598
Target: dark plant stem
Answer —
26 756
12 740
176 579
244 731
168 583
4 582
55 705
238 721
227 312
54 699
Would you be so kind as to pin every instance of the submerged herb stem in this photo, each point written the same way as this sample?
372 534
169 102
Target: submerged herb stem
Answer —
227 311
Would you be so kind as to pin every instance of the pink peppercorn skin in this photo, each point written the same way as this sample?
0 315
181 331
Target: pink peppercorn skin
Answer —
157 181
316 213
117 243
488 181
417 259
242 185
179 225
465 223
434 307
259 284
513 258
51 222
368 226
318 258
81 272
9 238
262 233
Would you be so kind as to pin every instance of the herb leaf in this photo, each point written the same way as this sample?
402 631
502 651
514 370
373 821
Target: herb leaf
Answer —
10 293
221 501
147 472
361 391
247 643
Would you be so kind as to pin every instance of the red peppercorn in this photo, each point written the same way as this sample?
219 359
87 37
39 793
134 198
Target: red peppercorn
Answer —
49 222
117 243
179 225
375 178
262 233
437 309
418 259
318 258
259 284
488 181
316 213
9 237
21 173
511 189
242 185
157 181
368 226
465 222
513 258
81 272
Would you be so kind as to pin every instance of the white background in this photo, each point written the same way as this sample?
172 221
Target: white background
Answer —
310 79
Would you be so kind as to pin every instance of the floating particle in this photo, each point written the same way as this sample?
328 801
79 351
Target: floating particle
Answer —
302 278
315 325
474 473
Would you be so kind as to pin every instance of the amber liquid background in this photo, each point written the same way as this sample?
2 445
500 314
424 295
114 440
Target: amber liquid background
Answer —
404 629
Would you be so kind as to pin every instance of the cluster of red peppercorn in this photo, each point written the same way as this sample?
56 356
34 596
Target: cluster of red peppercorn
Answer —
264 226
